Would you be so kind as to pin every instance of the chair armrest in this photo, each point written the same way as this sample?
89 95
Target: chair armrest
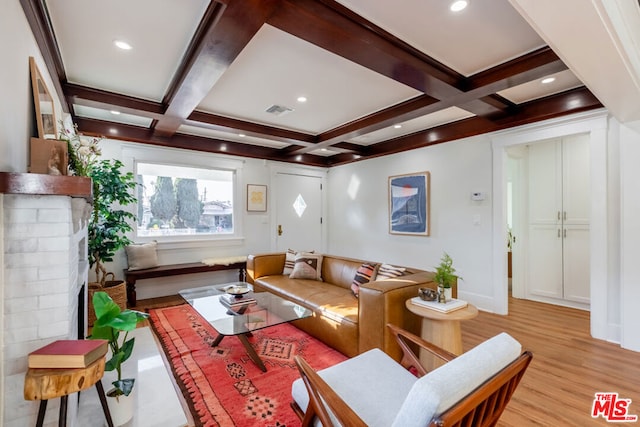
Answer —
264 265
320 393
409 358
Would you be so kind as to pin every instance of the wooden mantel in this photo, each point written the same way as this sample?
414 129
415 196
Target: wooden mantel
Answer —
40 184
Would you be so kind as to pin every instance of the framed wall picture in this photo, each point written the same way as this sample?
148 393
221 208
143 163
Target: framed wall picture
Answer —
409 204
256 198
43 102
48 156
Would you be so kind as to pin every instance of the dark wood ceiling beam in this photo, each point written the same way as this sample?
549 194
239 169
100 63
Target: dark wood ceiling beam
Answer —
570 102
97 98
483 86
227 124
36 14
343 33
143 135
225 31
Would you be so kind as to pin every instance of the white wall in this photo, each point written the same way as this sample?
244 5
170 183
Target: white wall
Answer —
17 116
474 233
359 212
630 233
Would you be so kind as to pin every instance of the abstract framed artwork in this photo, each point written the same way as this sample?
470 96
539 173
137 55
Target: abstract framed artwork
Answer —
409 204
256 198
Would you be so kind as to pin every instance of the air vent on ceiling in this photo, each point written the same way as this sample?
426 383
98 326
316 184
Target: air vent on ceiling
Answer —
278 110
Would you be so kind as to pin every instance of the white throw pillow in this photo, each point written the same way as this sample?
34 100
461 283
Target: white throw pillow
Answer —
142 255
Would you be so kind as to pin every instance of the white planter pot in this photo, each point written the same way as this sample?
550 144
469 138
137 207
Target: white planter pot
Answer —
121 408
447 294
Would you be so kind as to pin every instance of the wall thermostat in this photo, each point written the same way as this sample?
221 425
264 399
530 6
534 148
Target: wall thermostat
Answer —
478 195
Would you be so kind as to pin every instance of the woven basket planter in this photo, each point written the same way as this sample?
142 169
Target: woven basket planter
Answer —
116 289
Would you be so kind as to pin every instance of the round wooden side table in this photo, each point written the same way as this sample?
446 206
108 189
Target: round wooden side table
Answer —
441 329
44 384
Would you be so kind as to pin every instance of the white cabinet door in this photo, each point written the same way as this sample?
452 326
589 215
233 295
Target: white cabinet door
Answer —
545 175
576 265
559 206
576 180
544 261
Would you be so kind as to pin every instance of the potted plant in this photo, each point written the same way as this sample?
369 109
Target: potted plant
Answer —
108 223
111 321
445 277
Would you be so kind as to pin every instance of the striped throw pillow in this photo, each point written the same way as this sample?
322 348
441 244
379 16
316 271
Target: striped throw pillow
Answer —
365 273
387 271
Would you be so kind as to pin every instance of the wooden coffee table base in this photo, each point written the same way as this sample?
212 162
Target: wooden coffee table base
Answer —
247 345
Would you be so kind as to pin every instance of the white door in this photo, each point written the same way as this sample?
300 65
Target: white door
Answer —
298 212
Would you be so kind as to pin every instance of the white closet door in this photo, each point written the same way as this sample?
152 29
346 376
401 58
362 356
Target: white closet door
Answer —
576 180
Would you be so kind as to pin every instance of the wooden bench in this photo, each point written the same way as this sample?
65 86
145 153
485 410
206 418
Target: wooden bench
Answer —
131 276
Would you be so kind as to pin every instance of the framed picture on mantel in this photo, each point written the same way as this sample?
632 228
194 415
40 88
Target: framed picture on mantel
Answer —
409 204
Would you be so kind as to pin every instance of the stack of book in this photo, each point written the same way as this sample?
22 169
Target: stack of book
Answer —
68 354
233 301
443 307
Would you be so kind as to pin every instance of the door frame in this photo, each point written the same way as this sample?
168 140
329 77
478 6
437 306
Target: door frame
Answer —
307 171
595 123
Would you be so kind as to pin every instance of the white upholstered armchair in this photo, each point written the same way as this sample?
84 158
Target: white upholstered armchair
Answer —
372 389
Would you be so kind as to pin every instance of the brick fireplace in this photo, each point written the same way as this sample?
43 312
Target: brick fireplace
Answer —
43 223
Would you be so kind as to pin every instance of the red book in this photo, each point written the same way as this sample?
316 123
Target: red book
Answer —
68 354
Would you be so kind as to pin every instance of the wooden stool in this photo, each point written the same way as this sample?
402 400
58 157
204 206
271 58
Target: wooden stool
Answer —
45 384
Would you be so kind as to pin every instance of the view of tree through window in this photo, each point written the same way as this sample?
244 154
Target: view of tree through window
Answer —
180 200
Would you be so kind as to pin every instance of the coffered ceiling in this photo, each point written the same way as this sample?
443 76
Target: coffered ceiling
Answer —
379 77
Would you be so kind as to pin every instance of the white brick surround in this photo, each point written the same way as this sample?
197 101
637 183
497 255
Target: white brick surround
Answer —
43 254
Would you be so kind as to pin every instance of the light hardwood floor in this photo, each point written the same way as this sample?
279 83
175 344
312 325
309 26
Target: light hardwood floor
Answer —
568 366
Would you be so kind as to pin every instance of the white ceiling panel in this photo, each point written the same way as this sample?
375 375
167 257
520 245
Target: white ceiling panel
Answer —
485 34
276 68
564 80
100 114
86 30
229 136
438 118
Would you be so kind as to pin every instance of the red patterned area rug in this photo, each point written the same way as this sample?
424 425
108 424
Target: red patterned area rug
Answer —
221 385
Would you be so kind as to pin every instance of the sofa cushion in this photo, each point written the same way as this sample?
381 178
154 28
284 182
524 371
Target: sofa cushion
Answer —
387 271
365 274
142 255
307 266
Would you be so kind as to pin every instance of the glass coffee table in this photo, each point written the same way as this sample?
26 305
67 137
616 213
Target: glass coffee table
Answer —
231 316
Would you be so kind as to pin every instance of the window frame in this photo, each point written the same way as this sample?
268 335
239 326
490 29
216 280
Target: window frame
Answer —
133 155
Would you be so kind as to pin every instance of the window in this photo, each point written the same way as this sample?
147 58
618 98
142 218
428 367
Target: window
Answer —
184 201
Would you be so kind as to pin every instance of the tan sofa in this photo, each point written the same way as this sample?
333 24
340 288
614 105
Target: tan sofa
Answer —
350 325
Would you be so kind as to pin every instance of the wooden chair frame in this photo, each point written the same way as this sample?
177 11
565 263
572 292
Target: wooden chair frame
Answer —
482 407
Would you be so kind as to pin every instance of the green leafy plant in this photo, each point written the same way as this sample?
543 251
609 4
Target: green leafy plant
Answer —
109 224
112 189
445 272
110 322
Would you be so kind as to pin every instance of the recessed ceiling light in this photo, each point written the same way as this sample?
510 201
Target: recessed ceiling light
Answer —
241 135
299 158
223 147
323 149
122 44
548 80
115 112
397 126
113 131
302 99
459 5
